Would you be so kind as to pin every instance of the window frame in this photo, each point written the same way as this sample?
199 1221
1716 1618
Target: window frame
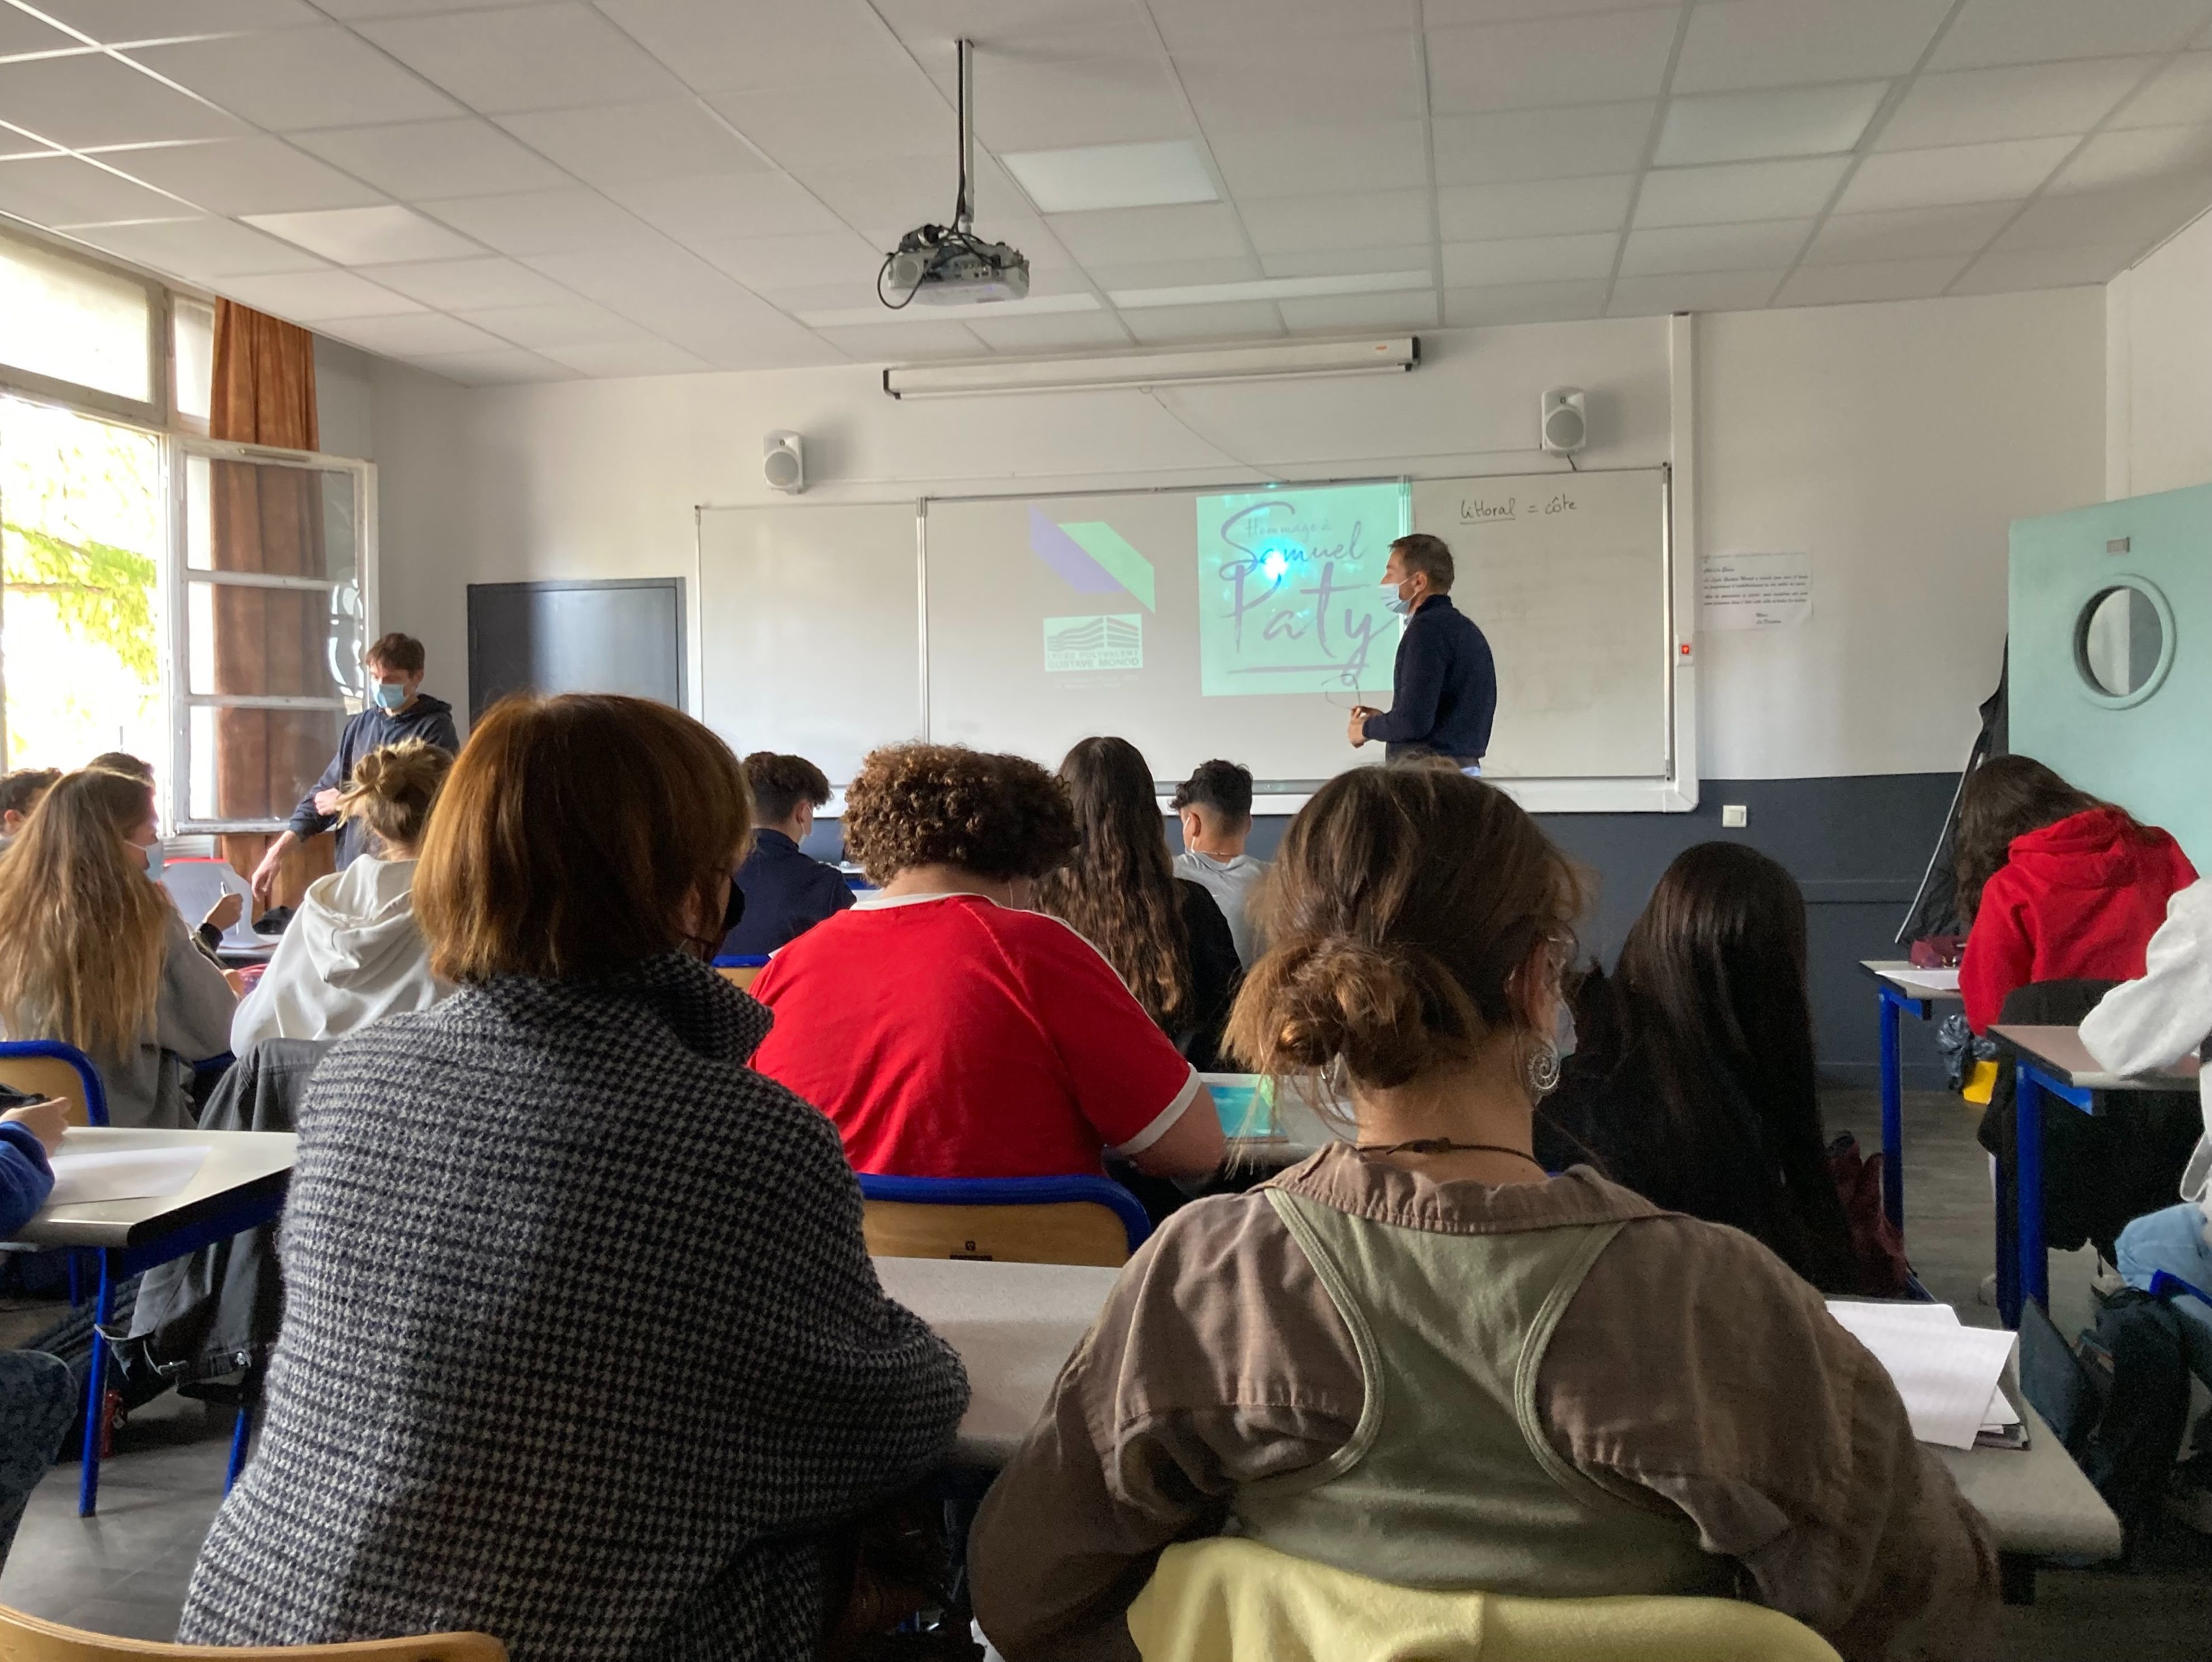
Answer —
155 414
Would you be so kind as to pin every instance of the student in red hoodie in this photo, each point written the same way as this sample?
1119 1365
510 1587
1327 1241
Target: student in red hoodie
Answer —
2055 885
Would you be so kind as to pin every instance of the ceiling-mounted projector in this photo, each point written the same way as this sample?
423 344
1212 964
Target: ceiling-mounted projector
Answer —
951 265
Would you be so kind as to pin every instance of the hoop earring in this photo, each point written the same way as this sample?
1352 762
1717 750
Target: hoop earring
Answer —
1540 1070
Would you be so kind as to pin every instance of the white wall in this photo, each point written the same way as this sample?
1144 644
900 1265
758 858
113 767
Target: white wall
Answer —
2158 349
345 399
1835 430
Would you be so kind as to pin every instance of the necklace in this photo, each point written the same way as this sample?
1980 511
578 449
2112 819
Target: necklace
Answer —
1443 1146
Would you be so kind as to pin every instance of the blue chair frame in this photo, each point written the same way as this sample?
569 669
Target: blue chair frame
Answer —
1136 1223
741 960
52 1049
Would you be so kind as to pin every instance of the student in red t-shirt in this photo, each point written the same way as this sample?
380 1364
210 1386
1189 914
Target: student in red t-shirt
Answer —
2055 885
947 1031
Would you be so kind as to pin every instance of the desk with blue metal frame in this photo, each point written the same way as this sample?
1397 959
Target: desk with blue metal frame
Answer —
239 1186
2050 1061
1896 994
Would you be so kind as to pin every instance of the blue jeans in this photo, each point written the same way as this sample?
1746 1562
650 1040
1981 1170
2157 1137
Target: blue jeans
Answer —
38 1400
2173 1240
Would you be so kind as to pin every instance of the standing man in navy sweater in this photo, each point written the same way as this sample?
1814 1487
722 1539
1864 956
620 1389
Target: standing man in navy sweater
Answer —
1444 688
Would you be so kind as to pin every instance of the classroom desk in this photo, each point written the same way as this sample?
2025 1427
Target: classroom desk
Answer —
1014 1325
1892 997
239 1186
2050 1061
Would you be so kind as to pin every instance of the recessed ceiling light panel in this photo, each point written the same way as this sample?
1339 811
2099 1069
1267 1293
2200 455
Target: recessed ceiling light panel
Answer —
1149 175
1755 126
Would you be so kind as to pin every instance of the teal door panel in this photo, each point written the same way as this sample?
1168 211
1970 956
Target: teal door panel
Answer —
2111 654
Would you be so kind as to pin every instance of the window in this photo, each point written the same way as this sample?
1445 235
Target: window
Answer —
69 326
192 361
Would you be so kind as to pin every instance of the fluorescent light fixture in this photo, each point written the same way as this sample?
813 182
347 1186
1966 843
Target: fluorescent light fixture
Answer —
982 311
1299 288
1393 355
366 236
1760 126
1152 175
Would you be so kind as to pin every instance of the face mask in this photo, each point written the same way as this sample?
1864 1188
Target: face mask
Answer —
389 696
1397 602
1562 1029
152 855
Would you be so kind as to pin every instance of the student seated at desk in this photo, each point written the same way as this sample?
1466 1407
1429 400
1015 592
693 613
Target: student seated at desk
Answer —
582 1347
93 952
949 1032
786 891
2054 884
1215 807
352 953
1692 1080
38 1392
1163 933
1419 1358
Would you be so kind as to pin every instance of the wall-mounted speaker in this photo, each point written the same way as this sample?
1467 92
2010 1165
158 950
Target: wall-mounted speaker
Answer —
1565 421
783 463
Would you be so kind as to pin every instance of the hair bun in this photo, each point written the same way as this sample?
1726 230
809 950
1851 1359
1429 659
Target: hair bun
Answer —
1377 1007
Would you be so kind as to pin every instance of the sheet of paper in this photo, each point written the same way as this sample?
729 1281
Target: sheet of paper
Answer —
1926 981
1754 590
1947 1373
114 1174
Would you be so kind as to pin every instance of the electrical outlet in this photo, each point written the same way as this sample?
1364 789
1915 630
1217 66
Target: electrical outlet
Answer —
1735 816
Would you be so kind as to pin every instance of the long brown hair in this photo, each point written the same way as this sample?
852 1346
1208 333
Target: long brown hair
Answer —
83 929
1403 906
1119 890
2006 797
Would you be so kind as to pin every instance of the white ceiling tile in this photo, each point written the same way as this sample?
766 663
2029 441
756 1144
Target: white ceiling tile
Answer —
502 366
14 144
1094 176
1507 145
1529 259
849 123
1112 275
1280 81
366 236
1348 312
239 176
609 143
1444 14
1274 289
1290 224
61 190
681 299
649 357
1551 207
20 33
1332 262
117 23
1550 60
2135 157
461 285
1026 104
1190 24
1247 320
1957 173
2131 215
2028 101
824 297
1522 302
355 10
571 323
293 78
410 335
2182 94
1774 43
1760 246
1050 334
868 344
311 296
2043 268
726 204
720 47
788 262
88 102
1380 155
528 57
1752 126
1887 279
420 159
909 191
1738 191
201 249
539 222
2029 31
1127 235
1705 291
1903 234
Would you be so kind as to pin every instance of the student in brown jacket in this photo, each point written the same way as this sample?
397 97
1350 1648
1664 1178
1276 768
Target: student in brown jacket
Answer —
1420 1359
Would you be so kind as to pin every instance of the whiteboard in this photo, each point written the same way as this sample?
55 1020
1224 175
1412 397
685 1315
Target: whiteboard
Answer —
809 641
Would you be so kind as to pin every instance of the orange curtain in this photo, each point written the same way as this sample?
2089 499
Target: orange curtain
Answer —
268 641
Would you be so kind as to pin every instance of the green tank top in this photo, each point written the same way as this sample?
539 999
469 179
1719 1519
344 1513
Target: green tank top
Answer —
1448 1480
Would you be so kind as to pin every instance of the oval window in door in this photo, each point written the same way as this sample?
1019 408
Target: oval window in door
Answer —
2123 642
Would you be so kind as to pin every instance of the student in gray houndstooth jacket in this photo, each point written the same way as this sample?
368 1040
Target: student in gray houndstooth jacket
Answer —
582 1346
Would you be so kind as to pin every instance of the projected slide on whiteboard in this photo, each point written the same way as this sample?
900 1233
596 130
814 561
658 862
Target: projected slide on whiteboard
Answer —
1243 624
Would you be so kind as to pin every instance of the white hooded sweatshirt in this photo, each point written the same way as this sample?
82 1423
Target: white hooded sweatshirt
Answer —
351 956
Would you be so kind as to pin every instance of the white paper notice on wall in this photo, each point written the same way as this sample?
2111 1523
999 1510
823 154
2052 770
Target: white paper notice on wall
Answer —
1754 590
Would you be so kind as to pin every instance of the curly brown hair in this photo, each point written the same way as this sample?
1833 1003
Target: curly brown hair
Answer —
946 804
1119 892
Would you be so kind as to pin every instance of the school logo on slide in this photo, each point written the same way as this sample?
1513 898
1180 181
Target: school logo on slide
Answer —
1092 557
1113 641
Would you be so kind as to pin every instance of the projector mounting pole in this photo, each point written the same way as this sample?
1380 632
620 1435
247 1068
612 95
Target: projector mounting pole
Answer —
964 212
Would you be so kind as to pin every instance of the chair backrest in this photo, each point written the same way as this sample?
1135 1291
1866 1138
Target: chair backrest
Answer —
49 1068
740 976
1072 1220
26 1639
